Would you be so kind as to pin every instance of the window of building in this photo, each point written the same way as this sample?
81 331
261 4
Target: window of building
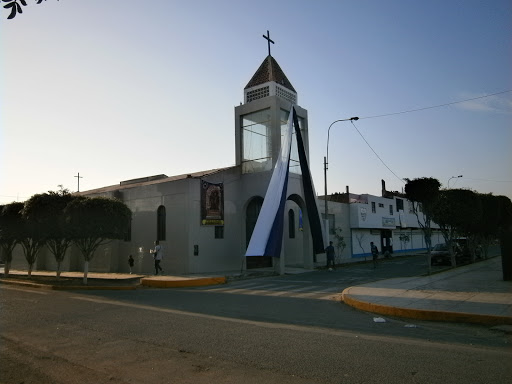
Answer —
390 209
257 142
291 224
381 205
399 205
219 232
373 207
160 223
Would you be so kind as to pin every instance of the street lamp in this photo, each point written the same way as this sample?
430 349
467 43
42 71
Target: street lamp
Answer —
326 161
453 177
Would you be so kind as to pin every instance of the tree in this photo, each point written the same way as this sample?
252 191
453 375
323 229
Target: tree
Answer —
15 6
505 233
10 228
33 231
48 209
94 222
423 192
486 229
456 211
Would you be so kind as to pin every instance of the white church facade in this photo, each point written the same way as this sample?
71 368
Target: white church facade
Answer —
204 220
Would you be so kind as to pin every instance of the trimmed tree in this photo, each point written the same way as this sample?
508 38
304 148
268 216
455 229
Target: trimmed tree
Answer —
33 231
48 209
423 193
456 211
94 222
505 233
486 229
10 229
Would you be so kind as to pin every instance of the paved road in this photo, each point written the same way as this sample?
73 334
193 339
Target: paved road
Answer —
272 330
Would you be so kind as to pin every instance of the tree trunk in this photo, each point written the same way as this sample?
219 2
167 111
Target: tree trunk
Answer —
58 269
30 270
428 242
7 268
506 253
86 270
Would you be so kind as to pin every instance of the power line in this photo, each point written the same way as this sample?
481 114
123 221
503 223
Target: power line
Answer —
436 106
382 161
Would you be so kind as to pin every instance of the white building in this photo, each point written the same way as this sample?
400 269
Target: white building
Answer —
388 221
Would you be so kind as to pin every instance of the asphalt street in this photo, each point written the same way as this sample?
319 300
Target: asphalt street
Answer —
278 329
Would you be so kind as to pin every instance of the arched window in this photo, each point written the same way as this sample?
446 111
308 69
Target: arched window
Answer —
160 223
291 224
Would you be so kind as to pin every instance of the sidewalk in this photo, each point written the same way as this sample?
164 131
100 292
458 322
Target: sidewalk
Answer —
105 281
474 293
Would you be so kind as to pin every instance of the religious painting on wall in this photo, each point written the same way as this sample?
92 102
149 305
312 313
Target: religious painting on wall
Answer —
212 203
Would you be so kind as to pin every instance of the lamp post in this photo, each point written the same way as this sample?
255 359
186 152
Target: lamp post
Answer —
453 177
326 161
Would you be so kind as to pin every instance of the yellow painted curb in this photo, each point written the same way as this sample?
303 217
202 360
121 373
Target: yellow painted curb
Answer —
424 314
181 282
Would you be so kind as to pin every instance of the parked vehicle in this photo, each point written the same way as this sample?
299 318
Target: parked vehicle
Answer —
440 255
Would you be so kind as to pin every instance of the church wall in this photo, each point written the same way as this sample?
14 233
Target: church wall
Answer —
223 254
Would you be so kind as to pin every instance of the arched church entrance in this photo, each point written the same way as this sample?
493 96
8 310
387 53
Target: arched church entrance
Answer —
297 248
297 234
251 216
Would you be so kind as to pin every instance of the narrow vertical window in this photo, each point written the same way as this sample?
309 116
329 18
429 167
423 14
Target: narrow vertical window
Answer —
291 224
391 210
219 232
160 223
373 207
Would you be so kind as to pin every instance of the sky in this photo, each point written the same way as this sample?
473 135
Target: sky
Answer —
121 89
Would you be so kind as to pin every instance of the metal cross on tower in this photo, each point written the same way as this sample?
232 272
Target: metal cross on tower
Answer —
268 41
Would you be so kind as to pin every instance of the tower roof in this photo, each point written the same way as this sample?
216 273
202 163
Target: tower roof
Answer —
268 71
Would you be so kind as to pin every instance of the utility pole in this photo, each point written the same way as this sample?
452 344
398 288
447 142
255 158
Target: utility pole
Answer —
78 177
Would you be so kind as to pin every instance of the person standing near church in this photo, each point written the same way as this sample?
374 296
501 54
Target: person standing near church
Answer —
330 256
157 255
375 254
130 263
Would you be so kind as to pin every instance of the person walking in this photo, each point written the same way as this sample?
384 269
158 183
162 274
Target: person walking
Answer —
130 263
375 254
330 256
157 255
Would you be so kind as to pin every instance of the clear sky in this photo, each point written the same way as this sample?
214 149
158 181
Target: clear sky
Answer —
121 89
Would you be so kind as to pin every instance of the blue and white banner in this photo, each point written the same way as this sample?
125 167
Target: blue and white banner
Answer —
266 239
310 197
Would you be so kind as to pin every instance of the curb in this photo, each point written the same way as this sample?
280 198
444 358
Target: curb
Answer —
156 282
424 314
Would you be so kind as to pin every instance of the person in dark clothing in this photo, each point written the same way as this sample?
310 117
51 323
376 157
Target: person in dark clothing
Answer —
330 256
130 263
375 254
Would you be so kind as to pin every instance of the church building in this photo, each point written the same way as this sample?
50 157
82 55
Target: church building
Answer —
204 220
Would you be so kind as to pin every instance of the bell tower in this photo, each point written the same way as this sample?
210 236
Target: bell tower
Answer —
260 122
